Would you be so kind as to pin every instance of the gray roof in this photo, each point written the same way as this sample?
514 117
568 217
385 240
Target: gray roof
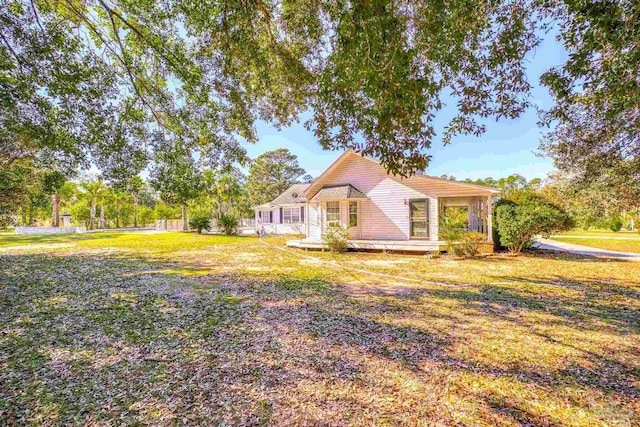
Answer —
338 193
291 195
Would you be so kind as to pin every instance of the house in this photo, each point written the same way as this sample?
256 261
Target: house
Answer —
285 214
386 212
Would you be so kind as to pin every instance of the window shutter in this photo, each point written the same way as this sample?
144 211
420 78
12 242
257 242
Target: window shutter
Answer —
271 216
281 215
302 214
260 214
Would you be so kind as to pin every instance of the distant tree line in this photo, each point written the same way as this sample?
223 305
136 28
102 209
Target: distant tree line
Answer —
176 190
511 182
527 208
595 204
179 189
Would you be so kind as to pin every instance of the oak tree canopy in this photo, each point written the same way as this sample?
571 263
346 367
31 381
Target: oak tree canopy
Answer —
99 80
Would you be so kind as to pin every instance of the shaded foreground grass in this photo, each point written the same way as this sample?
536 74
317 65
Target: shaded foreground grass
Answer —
183 329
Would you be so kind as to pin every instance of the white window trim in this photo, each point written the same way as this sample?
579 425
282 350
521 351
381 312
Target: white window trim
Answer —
326 214
357 213
265 217
292 213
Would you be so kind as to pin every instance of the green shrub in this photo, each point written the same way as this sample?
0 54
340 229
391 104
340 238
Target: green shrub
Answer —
336 238
145 215
615 224
229 224
200 223
526 214
470 243
462 243
452 236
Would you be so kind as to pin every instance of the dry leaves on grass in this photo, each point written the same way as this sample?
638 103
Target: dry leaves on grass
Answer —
202 337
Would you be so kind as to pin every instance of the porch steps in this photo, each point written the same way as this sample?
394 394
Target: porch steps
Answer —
375 245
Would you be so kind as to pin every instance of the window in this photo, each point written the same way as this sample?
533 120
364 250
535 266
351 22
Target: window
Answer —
353 213
419 215
290 215
333 213
265 216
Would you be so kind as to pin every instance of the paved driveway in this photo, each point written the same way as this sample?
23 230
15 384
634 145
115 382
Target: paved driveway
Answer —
554 245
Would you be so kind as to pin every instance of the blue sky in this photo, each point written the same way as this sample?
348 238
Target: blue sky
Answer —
508 146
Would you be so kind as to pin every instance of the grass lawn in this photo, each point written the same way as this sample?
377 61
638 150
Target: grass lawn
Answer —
175 329
602 233
622 241
610 244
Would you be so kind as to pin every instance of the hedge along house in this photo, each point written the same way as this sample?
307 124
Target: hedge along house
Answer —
285 214
385 212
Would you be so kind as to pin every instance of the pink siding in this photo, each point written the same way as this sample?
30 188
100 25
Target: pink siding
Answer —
384 215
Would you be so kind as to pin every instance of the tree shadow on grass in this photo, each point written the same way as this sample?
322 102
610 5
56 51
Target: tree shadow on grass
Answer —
609 287
237 349
79 337
418 350
588 311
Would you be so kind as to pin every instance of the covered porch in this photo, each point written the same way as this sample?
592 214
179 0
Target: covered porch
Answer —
408 224
472 213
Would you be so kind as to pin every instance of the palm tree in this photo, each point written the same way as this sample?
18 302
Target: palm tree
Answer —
101 200
52 182
117 197
228 190
135 186
94 193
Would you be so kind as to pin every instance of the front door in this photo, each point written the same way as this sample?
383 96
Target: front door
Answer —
353 219
419 218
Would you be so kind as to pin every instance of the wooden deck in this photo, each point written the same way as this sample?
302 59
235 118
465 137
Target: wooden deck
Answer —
375 245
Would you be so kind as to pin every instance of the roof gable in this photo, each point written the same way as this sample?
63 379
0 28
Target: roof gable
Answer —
292 195
316 185
313 188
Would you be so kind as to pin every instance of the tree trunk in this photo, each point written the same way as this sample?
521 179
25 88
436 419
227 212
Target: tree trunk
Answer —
135 210
185 222
101 224
220 208
55 215
117 214
92 214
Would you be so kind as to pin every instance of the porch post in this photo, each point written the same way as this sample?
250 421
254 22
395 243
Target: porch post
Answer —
489 220
307 206
434 225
